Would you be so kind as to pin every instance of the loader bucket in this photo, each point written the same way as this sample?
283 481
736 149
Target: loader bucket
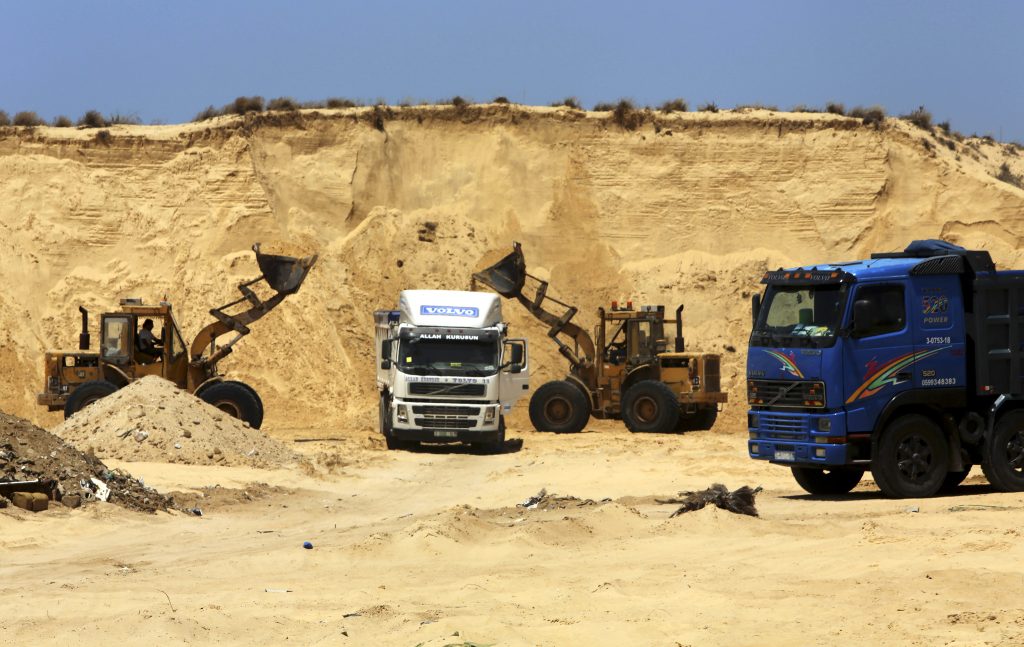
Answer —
284 273
507 276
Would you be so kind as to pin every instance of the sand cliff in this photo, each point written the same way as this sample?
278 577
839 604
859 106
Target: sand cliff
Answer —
688 208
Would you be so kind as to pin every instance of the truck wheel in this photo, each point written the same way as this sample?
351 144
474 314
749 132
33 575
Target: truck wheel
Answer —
650 405
911 458
234 399
702 420
559 406
86 394
256 396
816 480
1003 454
496 447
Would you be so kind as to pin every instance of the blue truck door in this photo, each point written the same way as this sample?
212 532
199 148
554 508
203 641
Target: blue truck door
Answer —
879 354
937 316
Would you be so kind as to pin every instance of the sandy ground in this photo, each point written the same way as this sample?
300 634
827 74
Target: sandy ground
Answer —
430 548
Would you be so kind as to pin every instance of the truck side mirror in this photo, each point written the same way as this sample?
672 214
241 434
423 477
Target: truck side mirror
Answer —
755 308
862 316
385 354
517 355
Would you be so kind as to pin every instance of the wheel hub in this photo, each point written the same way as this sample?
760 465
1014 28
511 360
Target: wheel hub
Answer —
558 410
914 458
645 409
1015 452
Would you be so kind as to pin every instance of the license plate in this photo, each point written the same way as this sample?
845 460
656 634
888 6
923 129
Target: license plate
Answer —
445 434
785 456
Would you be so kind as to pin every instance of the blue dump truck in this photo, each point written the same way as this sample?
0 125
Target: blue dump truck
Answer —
908 364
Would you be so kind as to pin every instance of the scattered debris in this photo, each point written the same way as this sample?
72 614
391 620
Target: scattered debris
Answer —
912 508
29 454
428 232
277 590
544 501
740 501
308 545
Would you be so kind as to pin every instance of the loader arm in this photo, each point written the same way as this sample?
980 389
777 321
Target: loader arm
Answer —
508 277
284 274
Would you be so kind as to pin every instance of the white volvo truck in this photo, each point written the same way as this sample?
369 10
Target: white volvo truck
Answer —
447 370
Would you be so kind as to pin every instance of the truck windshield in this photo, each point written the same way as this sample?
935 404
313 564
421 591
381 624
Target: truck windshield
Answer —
448 357
799 316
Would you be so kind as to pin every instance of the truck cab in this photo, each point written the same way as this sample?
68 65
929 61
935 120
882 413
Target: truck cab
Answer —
878 364
447 370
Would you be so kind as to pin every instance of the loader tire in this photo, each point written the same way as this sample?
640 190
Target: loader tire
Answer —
256 396
650 406
86 394
236 400
559 406
702 420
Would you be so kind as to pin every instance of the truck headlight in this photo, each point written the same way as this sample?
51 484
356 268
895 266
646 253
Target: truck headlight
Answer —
489 414
403 414
753 420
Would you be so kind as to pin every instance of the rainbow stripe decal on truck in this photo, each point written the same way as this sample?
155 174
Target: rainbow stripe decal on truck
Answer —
787 364
887 374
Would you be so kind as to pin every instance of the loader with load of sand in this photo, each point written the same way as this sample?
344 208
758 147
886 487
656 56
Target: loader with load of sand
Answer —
76 379
628 373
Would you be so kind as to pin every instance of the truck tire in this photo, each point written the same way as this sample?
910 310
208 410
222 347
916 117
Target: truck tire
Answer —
1003 454
559 406
911 458
650 406
496 447
816 480
234 399
256 396
701 420
86 394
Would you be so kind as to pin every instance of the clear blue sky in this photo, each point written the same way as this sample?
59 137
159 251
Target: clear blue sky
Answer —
166 61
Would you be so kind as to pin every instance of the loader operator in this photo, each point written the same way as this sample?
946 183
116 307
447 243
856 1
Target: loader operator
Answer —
150 348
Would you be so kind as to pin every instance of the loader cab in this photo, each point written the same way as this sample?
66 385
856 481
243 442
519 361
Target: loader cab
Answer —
631 337
119 341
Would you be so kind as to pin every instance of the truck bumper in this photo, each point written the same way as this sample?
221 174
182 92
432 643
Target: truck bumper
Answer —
446 422
799 439
447 435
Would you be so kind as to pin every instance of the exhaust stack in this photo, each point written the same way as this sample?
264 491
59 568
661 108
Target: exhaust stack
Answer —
680 342
83 338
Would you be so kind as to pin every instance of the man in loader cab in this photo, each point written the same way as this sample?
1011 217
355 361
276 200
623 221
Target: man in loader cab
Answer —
149 347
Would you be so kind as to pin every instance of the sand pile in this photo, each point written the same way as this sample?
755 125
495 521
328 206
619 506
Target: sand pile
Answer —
28 453
153 420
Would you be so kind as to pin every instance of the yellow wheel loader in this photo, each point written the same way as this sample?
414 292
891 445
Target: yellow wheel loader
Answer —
628 373
129 350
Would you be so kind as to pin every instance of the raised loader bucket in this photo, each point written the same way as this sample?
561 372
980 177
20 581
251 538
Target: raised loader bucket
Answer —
507 276
284 273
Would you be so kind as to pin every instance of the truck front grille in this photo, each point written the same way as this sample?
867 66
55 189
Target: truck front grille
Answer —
791 394
445 423
442 410
446 388
782 427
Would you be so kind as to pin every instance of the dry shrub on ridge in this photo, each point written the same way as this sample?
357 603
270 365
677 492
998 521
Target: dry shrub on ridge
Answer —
92 119
283 103
835 108
5 120
500 100
710 106
1008 176
627 116
28 118
873 116
674 105
62 121
920 118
